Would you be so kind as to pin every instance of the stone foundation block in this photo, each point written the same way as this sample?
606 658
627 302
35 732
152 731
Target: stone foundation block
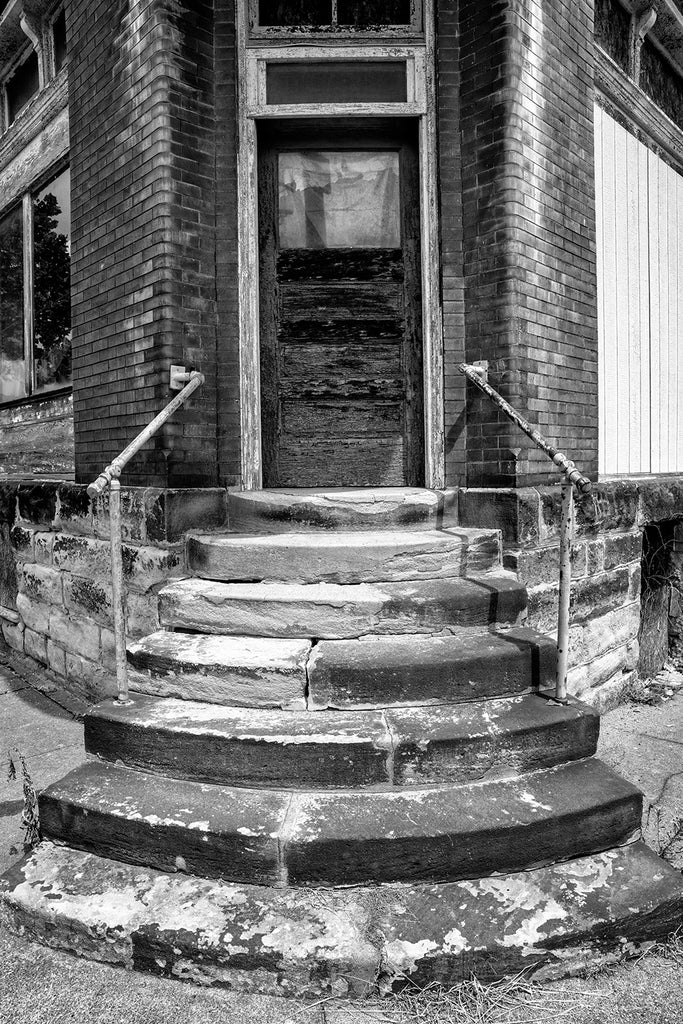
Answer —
74 510
89 679
36 614
620 550
56 658
145 567
14 635
142 614
37 503
88 599
35 645
515 512
595 637
22 541
82 556
133 515
40 583
43 548
584 678
74 635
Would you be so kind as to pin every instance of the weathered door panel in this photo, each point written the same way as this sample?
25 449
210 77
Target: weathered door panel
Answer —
341 345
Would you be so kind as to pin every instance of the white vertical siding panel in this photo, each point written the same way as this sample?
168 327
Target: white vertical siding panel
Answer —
679 334
609 292
600 271
631 370
644 413
670 383
655 304
621 396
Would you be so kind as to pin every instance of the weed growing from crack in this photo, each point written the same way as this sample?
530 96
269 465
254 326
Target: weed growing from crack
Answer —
30 820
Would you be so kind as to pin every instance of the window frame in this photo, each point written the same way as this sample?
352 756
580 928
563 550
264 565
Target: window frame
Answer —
292 33
41 42
26 202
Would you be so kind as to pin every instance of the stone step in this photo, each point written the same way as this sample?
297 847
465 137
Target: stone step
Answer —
384 671
341 508
547 923
331 610
243 671
340 749
281 837
334 557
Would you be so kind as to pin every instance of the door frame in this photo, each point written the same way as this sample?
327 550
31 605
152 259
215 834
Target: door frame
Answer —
421 105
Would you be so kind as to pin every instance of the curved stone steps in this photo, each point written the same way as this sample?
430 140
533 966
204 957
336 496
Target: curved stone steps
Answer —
373 672
547 922
279 837
341 508
382 671
242 671
338 749
333 557
330 610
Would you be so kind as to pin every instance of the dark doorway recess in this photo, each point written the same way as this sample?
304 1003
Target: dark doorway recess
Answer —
340 304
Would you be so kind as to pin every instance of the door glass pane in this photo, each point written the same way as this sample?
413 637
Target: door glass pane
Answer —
51 284
12 367
341 199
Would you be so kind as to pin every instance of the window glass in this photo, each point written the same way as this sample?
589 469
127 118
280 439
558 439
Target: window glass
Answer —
23 84
59 37
367 81
364 13
51 284
295 12
12 366
339 199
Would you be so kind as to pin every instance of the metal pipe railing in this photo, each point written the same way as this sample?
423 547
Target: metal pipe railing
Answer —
571 478
110 477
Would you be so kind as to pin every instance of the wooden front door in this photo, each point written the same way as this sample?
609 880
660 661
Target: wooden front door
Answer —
340 308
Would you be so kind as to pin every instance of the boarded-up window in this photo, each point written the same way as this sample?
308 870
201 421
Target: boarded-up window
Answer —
640 304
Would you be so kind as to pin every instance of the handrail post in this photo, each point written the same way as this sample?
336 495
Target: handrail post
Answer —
117 587
566 537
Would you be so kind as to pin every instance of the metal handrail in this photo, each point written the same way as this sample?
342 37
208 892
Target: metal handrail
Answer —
110 477
571 477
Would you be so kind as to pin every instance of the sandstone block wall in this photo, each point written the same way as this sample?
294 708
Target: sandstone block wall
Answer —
55 570
606 567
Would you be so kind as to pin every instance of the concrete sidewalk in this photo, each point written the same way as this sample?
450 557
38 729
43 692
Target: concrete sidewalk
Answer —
643 742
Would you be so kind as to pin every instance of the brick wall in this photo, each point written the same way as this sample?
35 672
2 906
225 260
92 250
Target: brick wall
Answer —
143 231
226 245
452 282
529 230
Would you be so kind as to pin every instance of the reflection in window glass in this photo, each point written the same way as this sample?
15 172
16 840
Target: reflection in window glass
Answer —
23 84
59 37
339 199
295 12
12 367
364 13
51 284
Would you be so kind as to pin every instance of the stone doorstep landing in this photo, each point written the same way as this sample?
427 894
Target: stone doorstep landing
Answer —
336 611
373 672
278 837
364 508
333 557
548 922
340 749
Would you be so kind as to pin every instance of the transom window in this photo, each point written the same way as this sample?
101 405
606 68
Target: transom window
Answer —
273 16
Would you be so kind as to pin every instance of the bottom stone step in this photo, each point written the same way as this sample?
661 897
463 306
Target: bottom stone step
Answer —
549 922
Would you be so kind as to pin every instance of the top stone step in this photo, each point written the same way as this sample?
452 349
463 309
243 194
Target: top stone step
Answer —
356 508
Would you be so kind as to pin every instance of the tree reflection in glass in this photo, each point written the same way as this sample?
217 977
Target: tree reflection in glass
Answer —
51 285
12 365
